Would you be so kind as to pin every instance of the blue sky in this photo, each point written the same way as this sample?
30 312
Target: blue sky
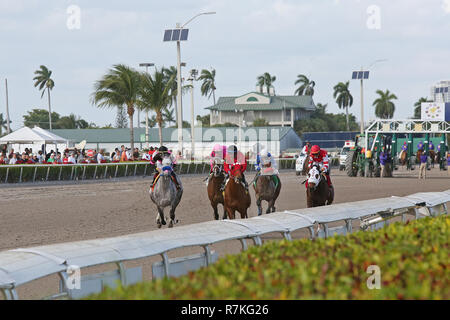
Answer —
324 39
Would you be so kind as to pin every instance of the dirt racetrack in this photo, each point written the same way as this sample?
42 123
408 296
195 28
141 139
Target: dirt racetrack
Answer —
33 215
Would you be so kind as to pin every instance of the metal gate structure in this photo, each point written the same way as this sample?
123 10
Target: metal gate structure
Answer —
23 265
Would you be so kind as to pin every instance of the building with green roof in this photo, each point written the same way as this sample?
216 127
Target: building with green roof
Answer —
276 110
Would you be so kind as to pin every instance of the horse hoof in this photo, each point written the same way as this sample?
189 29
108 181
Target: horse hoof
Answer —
177 221
170 224
164 223
159 225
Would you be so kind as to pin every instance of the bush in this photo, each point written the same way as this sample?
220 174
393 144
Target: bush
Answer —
413 258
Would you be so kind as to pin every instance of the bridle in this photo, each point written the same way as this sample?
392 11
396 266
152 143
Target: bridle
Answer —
319 176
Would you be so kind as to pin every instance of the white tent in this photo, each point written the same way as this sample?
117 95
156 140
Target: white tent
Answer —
27 137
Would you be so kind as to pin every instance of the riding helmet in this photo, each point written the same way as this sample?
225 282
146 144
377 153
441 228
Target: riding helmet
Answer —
315 149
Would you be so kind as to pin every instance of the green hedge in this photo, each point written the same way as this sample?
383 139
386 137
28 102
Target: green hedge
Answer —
413 258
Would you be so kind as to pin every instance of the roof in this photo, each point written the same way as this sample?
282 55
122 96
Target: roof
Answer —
27 135
276 103
212 134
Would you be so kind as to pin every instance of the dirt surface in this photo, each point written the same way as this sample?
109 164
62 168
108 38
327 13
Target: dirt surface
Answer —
34 215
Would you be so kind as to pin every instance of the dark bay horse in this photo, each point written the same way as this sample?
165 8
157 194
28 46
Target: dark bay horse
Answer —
318 193
267 187
432 155
215 195
236 197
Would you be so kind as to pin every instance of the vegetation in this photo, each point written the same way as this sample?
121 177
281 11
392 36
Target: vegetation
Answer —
260 122
413 260
208 87
384 107
306 86
45 82
118 88
39 117
321 121
265 80
343 98
3 124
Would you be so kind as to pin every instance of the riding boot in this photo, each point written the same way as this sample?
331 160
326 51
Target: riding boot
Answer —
224 183
174 176
154 178
245 182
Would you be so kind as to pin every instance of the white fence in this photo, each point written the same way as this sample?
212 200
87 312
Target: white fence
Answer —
21 266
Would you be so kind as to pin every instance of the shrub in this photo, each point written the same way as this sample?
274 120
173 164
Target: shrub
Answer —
413 258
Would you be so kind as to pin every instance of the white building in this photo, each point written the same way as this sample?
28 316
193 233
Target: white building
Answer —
440 92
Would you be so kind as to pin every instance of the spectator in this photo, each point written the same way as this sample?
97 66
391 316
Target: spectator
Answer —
40 156
136 154
13 158
423 165
123 154
71 159
100 157
129 154
51 159
2 159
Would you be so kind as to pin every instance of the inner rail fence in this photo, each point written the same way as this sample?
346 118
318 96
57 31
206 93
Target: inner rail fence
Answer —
23 265
93 171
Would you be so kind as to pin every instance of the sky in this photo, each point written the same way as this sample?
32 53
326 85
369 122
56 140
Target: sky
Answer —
323 39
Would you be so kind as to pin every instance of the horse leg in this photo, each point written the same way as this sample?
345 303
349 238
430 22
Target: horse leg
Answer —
224 213
160 218
231 213
172 217
258 204
309 201
216 214
271 206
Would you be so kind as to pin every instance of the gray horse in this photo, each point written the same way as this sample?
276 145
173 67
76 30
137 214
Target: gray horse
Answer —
165 194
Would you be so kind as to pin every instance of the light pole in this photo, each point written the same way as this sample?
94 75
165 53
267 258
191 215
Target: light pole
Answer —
180 34
193 77
146 65
8 128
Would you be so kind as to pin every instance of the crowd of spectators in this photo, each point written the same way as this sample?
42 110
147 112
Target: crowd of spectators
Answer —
75 156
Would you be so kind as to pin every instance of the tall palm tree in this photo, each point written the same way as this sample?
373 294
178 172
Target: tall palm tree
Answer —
306 86
265 80
384 107
343 97
209 83
321 108
169 73
418 107
168 115
154 94
119 87
45 82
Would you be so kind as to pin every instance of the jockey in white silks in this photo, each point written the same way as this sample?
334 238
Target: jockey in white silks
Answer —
266 165
164 160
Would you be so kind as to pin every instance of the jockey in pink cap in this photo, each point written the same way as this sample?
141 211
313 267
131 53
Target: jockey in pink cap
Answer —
219 151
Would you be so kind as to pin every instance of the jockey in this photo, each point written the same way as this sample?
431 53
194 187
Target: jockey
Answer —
306 148
265 162
218 151
320 157
158 157
234 158
420 146
431 146
405 146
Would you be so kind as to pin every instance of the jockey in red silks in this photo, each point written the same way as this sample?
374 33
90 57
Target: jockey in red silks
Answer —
234 159
219 151
320 157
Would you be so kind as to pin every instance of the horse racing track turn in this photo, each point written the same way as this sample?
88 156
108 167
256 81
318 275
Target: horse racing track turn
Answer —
35 215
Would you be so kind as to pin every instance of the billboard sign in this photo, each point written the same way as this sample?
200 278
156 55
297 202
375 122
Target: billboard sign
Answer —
433 111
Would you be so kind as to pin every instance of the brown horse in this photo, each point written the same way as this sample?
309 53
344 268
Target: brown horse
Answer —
432 155
418 154
215 195
318 193
267 187
403 157
236 197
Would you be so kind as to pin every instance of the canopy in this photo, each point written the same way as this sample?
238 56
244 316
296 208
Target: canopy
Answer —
27 135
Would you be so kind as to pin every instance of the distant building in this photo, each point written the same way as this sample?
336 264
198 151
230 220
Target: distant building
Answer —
274 139
276 110
440 92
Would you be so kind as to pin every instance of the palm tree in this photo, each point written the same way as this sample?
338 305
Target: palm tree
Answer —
306 86
321 108
154 94
384 107
169 73
418 107
343 97
209 83
3 124
118 88
265 80
45 82
168 115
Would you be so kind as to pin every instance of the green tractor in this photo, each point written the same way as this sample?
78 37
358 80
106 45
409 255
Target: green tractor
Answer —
364 161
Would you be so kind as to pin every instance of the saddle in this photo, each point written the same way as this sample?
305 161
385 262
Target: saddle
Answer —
152 187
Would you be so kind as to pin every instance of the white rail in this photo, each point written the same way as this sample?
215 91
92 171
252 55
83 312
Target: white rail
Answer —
21 266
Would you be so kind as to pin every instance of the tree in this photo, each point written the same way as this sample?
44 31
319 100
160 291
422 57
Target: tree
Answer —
154 94
321 108
118 88
121 118
306 86
343 97
45 82
39 117
418 107
265 80
168 115
71 122
260 122
205 120
3 124
384 107
208 87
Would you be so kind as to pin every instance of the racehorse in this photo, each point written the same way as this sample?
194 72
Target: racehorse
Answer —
403 157
164 194
236 197
267 187
318 193
215 195
418 154
433 158
305 165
